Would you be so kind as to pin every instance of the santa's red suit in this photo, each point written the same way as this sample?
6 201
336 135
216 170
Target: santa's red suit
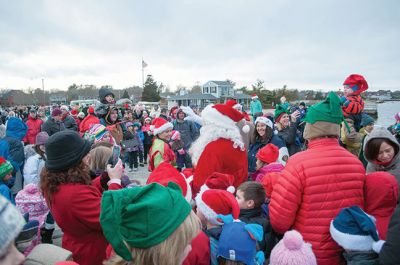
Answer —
220 147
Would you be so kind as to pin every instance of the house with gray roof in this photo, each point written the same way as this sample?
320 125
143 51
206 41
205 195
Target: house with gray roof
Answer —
212 92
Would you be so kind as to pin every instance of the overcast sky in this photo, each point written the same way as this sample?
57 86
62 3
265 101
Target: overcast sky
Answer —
303 44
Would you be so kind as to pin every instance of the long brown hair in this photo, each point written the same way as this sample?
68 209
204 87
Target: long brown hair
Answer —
50 180
265 139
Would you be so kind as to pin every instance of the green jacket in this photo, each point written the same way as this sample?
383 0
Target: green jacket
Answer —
255 107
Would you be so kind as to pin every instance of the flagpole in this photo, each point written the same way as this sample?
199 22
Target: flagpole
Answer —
142 74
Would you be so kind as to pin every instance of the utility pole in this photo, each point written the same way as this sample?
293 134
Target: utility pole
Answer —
44 95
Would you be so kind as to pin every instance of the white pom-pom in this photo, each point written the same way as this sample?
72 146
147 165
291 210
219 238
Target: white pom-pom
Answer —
230 189
152 127
246 129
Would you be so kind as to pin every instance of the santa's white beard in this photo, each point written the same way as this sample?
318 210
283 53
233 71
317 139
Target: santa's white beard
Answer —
212 132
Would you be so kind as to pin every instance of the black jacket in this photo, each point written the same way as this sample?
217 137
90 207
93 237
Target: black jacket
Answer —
255 216
51 126
390 253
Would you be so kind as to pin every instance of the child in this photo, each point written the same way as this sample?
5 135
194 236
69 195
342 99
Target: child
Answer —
138 129
148 138
35 163
11 224
381 194
5 175
238 243
99 133
267 162
106 96
352 106
180 153
292 250
210 203
355 231
250 197
132 146
148 225
31 202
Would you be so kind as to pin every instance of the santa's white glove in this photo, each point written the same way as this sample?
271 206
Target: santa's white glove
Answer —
377 246
191 115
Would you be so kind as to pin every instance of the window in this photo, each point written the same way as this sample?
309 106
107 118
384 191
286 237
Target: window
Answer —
213 89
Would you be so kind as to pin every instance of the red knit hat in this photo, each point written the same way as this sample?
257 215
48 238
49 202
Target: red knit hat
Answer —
74 112
166 173
160 125
357 83
219 181
91 110
268 154
213 202
254 96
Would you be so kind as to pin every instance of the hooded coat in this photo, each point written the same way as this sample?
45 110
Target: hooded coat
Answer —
394 166
103 92
11 147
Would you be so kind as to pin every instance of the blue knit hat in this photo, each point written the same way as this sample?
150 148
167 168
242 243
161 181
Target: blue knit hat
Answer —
238 241
354 230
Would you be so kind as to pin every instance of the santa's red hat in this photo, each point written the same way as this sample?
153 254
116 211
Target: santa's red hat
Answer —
234 104
213 202
221 115
219 181
254 96
268 154
357 83
160 125
165 173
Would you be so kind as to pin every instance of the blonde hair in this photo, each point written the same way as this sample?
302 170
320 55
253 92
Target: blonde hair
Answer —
99 157
168 252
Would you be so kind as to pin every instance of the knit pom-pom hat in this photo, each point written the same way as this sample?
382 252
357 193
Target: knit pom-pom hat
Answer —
292 250
30 200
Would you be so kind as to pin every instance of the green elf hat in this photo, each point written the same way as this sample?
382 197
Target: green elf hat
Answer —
328 110
142 217
5 167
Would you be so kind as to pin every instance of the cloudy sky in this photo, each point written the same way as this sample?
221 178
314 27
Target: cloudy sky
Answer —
303 44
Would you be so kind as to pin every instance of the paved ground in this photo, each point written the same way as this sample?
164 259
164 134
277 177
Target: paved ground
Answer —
141 175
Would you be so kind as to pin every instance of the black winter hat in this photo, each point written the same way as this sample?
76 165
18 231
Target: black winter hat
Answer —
64 150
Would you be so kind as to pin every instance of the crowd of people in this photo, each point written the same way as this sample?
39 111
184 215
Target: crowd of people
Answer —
316 185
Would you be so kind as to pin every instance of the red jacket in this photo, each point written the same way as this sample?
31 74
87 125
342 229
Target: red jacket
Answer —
34 127
220 156
312 189
88 121
76 209
381 195
200 253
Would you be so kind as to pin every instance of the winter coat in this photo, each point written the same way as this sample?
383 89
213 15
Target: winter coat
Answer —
133 136
315 185
220 156
351 139
200 253
364 134
34 127
289 138
6 192
51 126
188 130
148 136
214 234
32 169
390 253
87 122
394 166
361 258
116 132
255 216
255 147
70 123
160 151
255 107
103 92
260 173
76 210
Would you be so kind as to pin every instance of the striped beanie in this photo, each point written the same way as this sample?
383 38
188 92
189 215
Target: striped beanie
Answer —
96 132
5 167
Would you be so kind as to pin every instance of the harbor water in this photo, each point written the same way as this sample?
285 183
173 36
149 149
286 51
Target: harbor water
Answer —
386 112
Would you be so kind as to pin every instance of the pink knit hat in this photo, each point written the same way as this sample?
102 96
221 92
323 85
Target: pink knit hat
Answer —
30 200
292 250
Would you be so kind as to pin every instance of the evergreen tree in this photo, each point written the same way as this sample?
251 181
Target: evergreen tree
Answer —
125 95
151 90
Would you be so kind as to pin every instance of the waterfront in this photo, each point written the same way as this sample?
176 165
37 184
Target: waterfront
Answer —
386 112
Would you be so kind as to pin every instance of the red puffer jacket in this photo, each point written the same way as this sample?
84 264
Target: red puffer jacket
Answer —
34 126
314 186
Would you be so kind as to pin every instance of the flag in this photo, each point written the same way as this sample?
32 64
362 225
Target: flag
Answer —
144 64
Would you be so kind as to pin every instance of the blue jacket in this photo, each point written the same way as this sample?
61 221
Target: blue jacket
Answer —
253 149
6 192
255 107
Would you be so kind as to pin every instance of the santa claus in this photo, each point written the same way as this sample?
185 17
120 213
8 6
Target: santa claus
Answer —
220 146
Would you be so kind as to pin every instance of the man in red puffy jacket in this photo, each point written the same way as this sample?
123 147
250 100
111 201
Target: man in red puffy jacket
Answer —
318 182
34 124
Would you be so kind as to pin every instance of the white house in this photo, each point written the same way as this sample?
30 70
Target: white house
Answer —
219 89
